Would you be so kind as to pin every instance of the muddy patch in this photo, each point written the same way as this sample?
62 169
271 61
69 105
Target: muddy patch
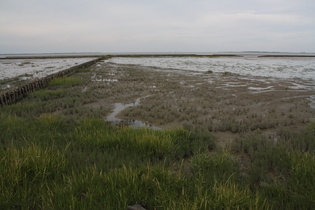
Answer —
215 102
118 108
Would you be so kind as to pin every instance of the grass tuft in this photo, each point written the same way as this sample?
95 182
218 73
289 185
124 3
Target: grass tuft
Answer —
66 81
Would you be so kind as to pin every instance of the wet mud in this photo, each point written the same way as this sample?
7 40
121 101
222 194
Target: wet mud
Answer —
223 103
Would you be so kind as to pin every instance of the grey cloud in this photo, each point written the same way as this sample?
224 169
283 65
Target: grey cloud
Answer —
142 25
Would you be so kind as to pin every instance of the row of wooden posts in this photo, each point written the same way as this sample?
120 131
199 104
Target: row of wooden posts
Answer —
13 95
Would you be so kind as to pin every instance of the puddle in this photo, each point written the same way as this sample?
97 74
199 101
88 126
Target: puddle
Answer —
312 101
225 85
257 90
296 86
119 107
95 79
105 80
84 89
233 84
260 88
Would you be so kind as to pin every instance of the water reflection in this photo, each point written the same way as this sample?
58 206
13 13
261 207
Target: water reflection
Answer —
119 107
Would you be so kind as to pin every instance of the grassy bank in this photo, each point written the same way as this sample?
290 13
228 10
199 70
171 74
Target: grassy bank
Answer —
57 153
49 162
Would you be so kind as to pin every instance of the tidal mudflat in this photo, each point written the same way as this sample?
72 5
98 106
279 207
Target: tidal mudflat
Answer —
248 64
14 71
224 103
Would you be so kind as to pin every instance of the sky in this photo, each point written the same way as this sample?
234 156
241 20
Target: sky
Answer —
61 26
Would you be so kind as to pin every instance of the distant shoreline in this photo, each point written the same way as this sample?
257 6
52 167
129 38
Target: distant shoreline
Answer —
223 54
293 56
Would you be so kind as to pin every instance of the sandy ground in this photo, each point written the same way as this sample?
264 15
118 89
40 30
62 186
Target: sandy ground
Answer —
223 103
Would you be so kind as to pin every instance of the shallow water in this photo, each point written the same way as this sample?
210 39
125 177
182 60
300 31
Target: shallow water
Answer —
119 107
278 67
36 68
312 101
94 78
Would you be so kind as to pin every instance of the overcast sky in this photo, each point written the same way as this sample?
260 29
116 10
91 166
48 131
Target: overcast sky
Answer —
44 26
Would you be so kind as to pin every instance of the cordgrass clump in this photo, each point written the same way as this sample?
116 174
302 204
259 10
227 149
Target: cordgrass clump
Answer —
66 81
28 174
85 70
46 95
209 72
50 162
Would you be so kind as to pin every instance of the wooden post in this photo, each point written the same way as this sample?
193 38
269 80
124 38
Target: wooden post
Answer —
1 100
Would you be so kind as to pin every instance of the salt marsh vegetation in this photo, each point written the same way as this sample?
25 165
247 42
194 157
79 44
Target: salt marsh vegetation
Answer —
58 152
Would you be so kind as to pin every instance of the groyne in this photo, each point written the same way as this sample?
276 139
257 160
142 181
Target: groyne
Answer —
15 94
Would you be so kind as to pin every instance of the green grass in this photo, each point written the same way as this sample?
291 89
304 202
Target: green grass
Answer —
85 70
25 63
66 81
50 162
46 95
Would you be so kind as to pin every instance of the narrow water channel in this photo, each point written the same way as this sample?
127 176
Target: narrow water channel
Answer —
119 107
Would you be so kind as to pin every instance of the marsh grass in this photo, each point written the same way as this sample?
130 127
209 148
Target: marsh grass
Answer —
63 97
27 173
50 162
46 95
85 70
209 72
25 63
281 170
48 159
66 81
56 153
